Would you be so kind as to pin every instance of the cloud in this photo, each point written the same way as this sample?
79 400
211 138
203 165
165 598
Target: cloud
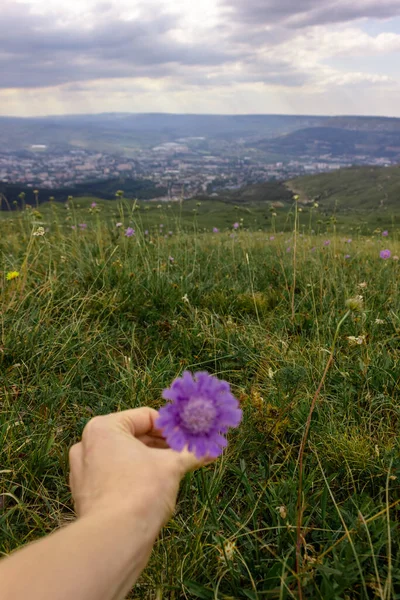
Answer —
100 54
46 52
303 13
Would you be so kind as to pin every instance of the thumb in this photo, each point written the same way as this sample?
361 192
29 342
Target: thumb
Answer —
188 461
135 421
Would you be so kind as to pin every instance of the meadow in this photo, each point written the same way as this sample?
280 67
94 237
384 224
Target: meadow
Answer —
103 306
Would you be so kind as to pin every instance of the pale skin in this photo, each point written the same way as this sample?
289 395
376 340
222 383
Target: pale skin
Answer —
124 481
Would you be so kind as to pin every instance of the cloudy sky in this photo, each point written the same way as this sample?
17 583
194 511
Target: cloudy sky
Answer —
200 56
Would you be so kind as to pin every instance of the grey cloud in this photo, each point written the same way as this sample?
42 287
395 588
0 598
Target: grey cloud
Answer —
303 13
44 53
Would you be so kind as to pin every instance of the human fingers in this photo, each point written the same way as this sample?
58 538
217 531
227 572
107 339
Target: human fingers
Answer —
135 421
188 461
153 441
76 463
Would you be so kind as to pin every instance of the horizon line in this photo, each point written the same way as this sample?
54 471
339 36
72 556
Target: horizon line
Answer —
189 114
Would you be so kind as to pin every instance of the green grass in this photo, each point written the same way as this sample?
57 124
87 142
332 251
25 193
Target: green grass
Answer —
97 322
375 189
254 212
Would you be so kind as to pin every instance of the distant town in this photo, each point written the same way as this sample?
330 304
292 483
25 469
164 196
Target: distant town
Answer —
179 166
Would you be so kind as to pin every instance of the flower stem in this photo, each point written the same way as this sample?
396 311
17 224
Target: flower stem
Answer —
300 507
216 524
294 257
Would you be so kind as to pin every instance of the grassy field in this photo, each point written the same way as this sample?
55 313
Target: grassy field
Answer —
96 321
356 189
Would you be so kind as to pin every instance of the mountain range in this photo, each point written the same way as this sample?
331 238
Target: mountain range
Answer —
276 135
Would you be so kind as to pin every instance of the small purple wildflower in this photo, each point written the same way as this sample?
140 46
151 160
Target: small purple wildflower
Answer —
385 254
288 249
83 225
118 225
215 230
236 226
200 410
129 232
313 249
146 232
327 242
385 233
171 259
349 241
93 205
271 237
347 256
73 227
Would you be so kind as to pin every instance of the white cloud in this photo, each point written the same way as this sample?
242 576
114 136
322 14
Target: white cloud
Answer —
213 55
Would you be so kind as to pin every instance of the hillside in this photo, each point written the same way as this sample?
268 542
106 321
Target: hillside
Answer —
355 188
106 190
336 142
120 132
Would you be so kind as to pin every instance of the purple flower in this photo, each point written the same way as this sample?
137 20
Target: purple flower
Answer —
288 249
93 205
118 225
272 237
347 256
146 232
327 242
73 227
129 232
83 225
385 254
313 249
385 233
215 230
171 259
349 241
236 226
201 408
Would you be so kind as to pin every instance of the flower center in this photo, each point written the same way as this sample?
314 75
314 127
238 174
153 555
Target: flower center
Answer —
198 415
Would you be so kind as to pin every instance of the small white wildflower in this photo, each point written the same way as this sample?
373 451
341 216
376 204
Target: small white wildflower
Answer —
362 285
355 304
39 232
271 373
228 552
379 322
186 299
354 341
282 512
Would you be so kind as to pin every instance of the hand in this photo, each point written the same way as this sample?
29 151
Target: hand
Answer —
124 462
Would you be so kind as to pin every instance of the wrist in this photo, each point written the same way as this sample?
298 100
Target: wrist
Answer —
130 511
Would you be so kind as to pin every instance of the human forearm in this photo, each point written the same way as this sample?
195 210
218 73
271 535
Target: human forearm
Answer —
99 557
124 482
